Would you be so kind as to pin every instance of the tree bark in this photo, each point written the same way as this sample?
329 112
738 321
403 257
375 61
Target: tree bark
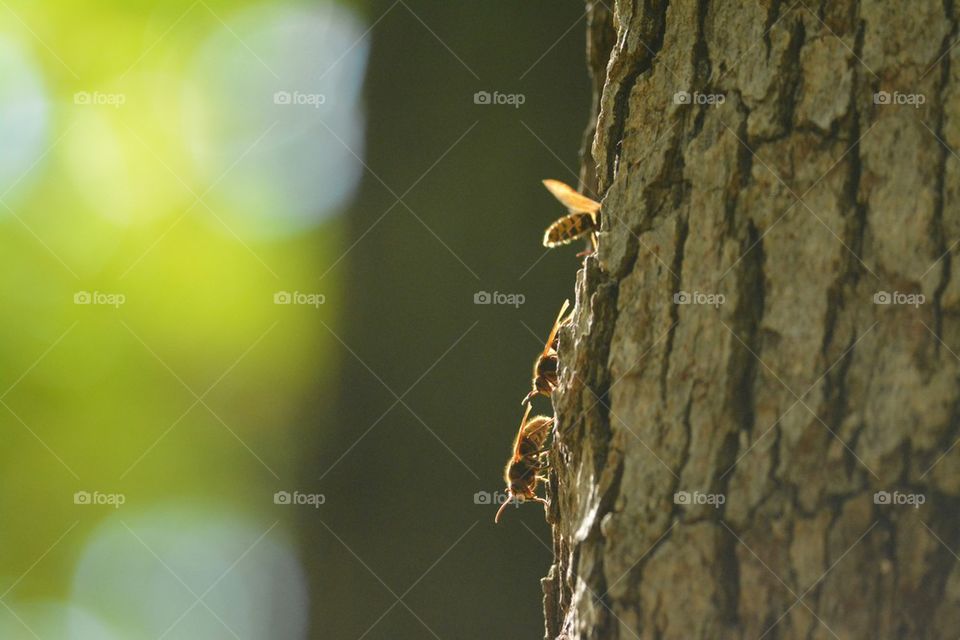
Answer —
799 394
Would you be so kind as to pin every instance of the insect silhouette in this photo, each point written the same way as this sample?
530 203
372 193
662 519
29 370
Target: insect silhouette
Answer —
522 473
583 216
545 367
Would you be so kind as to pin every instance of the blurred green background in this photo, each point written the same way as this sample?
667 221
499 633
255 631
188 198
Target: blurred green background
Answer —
246 391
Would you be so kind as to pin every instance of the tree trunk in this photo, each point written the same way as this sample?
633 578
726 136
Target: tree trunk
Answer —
768 334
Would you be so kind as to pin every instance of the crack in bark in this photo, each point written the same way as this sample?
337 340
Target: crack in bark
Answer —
855 229
938 231
676 276
601 39
638 62
742 370
773 14
684 456
792 77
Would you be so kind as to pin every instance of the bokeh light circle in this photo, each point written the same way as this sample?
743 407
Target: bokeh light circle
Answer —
144 573
273 116
24 114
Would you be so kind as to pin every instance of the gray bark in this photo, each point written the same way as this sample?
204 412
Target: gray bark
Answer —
799 198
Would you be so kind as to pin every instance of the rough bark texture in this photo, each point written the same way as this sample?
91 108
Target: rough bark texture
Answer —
798 199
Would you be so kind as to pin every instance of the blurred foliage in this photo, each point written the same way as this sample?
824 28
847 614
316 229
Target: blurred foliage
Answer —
157 195
146 231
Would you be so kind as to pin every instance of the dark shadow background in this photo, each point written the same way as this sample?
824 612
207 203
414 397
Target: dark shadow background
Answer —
402 517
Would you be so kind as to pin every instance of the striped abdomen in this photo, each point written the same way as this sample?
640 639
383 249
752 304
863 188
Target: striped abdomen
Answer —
568 228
